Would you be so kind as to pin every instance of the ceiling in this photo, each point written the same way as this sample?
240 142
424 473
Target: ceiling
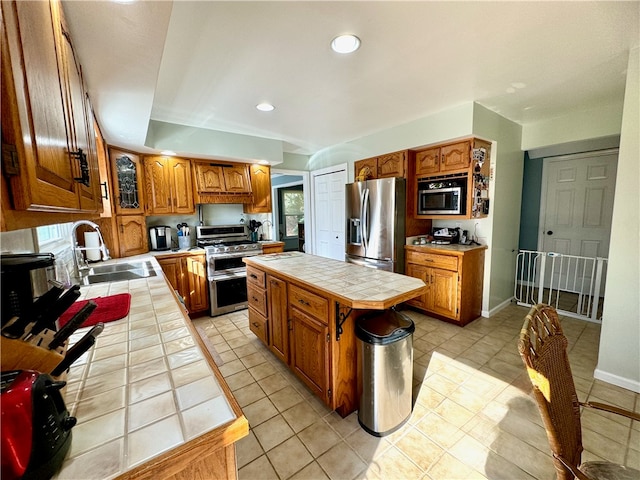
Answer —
206 64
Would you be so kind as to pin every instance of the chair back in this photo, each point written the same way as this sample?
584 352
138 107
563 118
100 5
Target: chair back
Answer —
543 348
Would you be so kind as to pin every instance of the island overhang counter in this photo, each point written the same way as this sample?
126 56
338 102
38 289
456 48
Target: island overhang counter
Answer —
303 308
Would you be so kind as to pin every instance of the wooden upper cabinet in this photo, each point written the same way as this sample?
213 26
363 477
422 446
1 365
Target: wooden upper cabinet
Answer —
168 186
81 148
43 113
236 179
221 182
222 178
209 178
392 164
367 168
384 166
181 186
127 174
428 161
261 188
444 159
455 157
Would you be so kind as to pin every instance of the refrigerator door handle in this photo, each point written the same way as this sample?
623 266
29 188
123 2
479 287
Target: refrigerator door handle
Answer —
365 219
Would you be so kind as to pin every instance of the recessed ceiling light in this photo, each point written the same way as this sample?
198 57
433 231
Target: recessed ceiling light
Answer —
169 153
265 107
345 43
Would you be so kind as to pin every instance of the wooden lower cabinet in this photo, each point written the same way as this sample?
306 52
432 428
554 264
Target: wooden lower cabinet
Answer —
187 274
279 322
310 351
301 332
274 247
197 283
454 280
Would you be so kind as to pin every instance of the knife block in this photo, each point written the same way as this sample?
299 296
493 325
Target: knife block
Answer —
20 355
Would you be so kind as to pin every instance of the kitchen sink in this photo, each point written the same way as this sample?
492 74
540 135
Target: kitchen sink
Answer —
117 272
119 267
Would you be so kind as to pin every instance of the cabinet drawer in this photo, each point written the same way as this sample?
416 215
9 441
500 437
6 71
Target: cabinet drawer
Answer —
309 302
258 325
446 262
256 277
257 298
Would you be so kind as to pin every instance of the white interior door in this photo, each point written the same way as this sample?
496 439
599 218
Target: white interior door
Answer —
329 219
577 207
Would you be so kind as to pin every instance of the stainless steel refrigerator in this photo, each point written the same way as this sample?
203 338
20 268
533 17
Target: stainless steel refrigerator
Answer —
375 213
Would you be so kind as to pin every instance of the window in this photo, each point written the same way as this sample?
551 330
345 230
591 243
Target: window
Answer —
53 238
293 211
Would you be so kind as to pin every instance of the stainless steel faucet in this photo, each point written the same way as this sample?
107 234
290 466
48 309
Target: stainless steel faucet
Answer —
77 250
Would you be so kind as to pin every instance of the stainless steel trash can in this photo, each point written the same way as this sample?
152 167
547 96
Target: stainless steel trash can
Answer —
385 370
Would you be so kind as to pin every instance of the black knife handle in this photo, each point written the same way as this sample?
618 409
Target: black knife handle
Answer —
58 308
16 329
73 324
78 349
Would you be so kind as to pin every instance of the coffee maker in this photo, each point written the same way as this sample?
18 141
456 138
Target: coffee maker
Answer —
25 277
160 237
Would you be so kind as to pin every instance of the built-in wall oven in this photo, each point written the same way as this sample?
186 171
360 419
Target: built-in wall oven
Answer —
225 247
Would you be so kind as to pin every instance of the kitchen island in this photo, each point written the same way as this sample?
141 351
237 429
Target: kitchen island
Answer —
149 399
303 307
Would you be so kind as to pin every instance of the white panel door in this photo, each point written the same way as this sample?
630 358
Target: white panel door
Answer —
578 205
329 198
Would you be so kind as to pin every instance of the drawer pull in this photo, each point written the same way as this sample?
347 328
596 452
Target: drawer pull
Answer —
254 299
256 324
254 276
300 300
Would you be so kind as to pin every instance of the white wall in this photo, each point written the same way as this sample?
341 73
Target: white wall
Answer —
502 227
619 354
450 124
574 126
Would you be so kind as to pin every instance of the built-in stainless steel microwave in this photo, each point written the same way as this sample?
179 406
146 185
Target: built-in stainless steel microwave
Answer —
442 196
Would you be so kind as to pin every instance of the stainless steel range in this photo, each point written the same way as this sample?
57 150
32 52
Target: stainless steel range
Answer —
225 247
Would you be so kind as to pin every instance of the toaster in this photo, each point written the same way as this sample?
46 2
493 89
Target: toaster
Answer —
35 425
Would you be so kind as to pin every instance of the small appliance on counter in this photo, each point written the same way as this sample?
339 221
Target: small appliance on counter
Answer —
160 237
25 277
36 426
445 236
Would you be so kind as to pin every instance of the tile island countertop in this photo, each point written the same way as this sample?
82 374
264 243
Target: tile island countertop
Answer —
149 399
355 286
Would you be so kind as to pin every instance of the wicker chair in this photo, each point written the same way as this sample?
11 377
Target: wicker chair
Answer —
543 348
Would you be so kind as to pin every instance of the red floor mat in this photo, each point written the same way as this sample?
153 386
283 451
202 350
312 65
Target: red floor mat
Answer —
113 307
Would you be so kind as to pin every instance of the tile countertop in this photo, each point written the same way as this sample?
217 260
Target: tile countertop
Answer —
353 285
145 388
454 249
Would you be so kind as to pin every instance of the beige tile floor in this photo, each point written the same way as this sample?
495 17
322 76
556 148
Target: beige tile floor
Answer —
472 415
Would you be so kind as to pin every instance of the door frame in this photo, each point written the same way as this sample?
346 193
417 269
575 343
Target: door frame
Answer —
543 186
310 235
307 203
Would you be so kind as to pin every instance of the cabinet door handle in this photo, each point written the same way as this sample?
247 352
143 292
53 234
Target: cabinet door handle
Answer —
105 195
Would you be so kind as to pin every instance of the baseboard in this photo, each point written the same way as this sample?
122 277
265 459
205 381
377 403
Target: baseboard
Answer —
494 310
633 385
